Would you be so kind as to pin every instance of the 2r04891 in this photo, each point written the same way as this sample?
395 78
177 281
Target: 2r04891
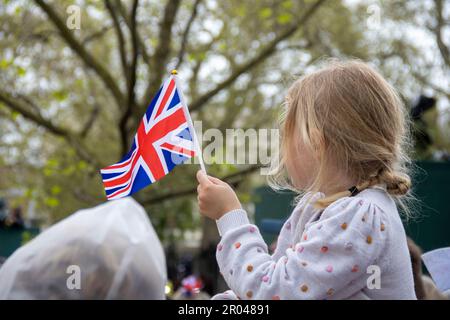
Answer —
244 309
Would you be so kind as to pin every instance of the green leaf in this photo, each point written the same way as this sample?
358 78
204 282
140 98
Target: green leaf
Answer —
284 18
48 172
21 71
69 171
14 115
82 165
26 237
241 11
28 193
4 64
287 4
265 13
52 163
52 202
55 190
60 95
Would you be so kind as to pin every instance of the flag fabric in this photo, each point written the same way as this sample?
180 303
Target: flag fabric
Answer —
165 138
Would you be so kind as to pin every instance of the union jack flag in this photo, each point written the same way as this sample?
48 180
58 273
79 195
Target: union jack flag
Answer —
163 140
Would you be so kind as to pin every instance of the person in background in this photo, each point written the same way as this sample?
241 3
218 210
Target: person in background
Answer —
424 286
191 289
3 212
16 219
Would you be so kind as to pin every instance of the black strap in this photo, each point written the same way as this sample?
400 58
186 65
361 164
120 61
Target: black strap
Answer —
353 191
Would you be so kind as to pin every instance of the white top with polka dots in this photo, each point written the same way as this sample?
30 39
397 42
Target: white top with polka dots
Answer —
354 249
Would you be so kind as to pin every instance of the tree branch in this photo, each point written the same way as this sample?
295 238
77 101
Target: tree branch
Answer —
187 30
91 120
120 37
445 52
14 104
423 81
162 51
142 48
131 79
78 48
96 34
261 57
232 179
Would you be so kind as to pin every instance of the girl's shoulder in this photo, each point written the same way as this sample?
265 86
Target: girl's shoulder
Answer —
374 199
372 210
361 220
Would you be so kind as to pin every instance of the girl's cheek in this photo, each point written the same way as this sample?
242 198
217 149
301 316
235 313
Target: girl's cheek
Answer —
301 170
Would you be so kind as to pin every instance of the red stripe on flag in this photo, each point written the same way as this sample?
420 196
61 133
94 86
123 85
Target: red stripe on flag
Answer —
165 98
178 149
122 179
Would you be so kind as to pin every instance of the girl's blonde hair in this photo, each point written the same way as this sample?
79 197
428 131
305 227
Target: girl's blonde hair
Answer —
355 120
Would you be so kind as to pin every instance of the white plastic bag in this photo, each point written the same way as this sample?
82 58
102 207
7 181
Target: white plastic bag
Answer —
113 246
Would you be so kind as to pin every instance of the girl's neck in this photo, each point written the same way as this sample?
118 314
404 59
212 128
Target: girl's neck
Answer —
337 184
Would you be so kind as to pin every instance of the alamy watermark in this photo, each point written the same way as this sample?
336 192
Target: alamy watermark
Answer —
73 21
73 281
236 146
374 19
374 280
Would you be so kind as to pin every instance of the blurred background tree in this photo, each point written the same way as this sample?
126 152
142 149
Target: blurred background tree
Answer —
71 100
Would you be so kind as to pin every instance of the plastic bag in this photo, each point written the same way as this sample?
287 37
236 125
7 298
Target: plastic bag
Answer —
112 249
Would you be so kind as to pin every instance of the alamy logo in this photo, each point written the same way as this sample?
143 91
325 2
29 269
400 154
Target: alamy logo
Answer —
73 21
374 280
74 280
374 19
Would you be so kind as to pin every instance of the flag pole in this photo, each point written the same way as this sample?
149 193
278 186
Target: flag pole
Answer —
191 126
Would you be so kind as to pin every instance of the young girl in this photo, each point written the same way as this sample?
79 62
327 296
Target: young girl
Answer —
343 143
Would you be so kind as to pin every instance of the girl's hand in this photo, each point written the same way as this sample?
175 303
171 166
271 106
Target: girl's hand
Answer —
215 197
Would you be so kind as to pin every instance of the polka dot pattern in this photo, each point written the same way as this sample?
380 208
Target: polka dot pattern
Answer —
320 255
